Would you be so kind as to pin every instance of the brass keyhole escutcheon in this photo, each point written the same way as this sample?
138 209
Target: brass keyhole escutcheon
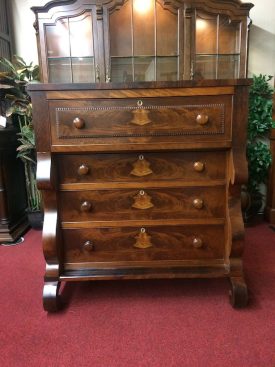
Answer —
142 201
141 167
139 103
143 240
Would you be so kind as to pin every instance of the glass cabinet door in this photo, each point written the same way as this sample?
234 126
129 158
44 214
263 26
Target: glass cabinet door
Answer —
70 50
143 39
217 47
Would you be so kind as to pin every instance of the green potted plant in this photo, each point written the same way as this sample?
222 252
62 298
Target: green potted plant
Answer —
13 82
258 152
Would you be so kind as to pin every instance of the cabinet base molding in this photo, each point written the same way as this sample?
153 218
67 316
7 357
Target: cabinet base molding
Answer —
11 232
238 293
270 215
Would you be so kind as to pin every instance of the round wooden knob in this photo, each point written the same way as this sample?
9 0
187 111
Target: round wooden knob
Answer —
88 246
199 166
198 203
83 169
78 123
197 242
202 119
86 206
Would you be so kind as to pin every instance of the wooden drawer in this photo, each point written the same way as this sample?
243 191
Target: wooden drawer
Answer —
142 244
139 204
203 116
141 167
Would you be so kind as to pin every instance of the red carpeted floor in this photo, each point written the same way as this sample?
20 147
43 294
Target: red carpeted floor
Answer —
170 323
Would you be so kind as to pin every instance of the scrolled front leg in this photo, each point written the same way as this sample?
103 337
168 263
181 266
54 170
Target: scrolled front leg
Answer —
51 297
238 294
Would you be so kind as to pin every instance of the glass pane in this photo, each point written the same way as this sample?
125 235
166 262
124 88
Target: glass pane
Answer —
57 37
206 34
81 35
4 51
144 29
60 70
167 68
83 70
122 70
3 18
144 68
228 66
121 31
167 41
229 36
205 67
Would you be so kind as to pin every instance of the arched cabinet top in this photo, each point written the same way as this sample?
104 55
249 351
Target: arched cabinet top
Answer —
123 47
230 7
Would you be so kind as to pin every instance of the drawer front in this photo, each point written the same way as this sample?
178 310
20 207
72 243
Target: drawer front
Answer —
143 244
139 204
141 167
133 118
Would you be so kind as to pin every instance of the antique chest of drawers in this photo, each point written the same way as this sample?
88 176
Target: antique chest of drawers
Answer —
141 182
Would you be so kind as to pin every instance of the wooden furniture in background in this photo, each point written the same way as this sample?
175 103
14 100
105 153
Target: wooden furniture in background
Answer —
13 201
270 202
141 175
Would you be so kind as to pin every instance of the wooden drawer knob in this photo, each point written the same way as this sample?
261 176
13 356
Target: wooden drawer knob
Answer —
78 123
198 203
198 166
86 206
202 119
83 170
88 246
197 242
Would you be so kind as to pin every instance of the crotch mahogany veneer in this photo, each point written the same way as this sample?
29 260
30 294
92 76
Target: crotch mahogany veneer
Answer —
142 182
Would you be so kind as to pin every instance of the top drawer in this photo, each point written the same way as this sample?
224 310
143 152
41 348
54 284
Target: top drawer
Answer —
147 119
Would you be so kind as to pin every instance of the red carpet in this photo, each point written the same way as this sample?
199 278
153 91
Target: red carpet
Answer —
159 323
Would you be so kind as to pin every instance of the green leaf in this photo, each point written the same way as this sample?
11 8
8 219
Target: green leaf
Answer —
7 64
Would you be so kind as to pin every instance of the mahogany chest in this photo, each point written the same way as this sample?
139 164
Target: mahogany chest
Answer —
141 182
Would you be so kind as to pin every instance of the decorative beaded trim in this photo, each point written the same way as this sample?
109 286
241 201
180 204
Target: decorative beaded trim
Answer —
144 133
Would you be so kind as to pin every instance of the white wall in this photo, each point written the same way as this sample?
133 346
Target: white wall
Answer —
262 38
24 33
262 35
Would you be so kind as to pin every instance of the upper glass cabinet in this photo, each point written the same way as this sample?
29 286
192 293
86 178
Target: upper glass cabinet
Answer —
70 50
142 40
218 47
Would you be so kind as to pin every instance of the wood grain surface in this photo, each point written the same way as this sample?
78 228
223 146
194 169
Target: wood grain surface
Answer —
168 243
